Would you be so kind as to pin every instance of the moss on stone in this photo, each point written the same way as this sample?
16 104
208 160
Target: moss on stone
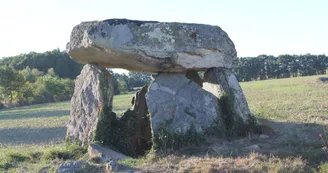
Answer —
123 136
234 123
165 139
216 130
106 116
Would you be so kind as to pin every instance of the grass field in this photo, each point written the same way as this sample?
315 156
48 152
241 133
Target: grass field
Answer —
296 109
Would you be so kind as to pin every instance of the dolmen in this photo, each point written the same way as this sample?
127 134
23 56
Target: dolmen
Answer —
194 92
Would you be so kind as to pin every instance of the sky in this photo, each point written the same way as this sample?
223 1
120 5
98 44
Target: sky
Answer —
256 27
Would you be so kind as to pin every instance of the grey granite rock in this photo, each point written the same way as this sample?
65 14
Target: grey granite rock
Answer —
151 46
93 96
105 154
224 85
175 100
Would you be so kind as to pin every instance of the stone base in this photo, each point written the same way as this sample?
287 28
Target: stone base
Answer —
181 111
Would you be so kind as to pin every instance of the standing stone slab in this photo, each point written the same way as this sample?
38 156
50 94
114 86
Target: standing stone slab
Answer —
136 124
91 101
151 46
142 139
180 106
224 85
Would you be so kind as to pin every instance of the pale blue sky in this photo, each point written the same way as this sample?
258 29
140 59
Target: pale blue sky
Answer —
256 26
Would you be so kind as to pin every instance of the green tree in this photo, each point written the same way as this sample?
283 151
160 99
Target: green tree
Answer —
11 82
138 79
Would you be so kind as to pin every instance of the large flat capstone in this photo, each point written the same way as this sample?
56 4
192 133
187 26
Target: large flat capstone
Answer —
150 46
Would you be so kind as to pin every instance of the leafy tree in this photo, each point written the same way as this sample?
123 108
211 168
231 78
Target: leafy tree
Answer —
62 64
283 66
138 79
11 82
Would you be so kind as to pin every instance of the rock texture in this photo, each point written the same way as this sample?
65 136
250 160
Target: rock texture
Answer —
151 46
103 153
183 107
72 167
129 133
92 99
180 104
142 137
224 85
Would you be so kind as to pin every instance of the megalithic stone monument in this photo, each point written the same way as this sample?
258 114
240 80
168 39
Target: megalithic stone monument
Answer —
182 105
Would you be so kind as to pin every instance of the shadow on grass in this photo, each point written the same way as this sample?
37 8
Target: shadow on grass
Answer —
19 136
23 115
283 140
41 105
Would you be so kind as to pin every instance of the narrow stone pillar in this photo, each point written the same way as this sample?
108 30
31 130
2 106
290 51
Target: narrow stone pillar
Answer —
91 105
224 85
141 140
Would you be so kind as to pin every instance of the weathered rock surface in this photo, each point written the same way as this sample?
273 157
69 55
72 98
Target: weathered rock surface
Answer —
92 98
151 46
180 104
130 133
104 154
224 85
72 167
142 136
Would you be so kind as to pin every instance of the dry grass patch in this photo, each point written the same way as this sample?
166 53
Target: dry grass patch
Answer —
253 163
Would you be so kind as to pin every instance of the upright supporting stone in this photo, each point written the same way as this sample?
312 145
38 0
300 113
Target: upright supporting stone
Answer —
91 104
181 111
224 85
142 135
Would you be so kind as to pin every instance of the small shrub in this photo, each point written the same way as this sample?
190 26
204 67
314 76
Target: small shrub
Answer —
5 166
68 151
17 157
11 158
34 157
323 168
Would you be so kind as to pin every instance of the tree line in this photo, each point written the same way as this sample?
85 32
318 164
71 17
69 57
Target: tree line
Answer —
58 60
49 77
284 66
31 86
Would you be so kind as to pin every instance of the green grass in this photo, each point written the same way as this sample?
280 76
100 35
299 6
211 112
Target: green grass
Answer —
121 103
296 109
36 157
40 129
302 99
